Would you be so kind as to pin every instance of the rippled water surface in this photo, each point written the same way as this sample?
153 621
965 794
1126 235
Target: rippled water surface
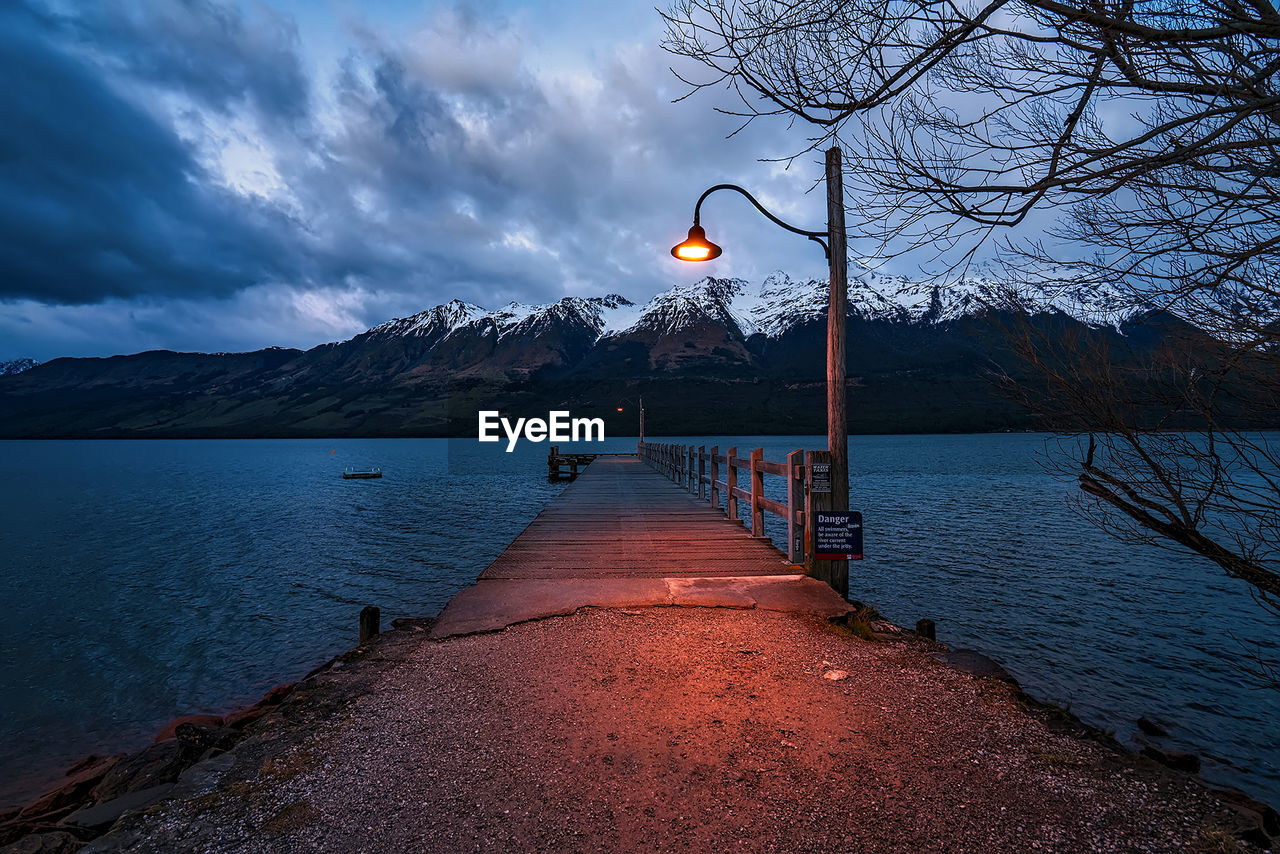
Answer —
154 578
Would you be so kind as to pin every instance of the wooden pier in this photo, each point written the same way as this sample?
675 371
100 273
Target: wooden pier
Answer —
566 466
622 534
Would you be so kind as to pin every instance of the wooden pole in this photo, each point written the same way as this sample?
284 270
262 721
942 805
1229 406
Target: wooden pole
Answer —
370 617
731 481
702 468
795 505
715 475
833 572
837 320
757 492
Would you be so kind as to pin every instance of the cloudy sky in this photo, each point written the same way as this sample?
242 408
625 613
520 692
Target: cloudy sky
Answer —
225 175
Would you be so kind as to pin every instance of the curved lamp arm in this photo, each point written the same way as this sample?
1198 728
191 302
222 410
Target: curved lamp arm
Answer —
815 236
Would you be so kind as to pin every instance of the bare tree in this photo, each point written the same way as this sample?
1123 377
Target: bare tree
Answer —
1148 132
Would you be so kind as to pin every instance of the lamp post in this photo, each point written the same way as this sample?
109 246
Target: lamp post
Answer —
698 248
641 406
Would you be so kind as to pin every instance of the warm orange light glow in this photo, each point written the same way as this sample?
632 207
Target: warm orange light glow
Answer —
696 247
693 253
619 408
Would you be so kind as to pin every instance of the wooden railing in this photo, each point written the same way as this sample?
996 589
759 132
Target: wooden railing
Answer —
699 470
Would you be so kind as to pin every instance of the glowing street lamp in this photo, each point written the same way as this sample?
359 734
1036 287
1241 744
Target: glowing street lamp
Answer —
698 248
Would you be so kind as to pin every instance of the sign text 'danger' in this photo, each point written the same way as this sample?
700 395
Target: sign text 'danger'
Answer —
558 426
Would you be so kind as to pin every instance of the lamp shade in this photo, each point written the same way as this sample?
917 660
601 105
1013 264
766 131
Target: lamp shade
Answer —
696 247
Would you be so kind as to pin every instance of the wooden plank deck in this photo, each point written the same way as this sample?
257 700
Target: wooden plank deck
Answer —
623 534
621 518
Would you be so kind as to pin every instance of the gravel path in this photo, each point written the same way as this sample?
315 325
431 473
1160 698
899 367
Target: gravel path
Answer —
669 729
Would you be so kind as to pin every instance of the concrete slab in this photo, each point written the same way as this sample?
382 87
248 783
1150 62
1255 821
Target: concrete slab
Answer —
490 605
799 594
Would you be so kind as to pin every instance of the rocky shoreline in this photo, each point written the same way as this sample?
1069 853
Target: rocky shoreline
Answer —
97 790
190 753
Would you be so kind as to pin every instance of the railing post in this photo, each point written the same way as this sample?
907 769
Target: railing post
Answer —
833 572
795 505
730 481
757 492
702 468
715 475
690 468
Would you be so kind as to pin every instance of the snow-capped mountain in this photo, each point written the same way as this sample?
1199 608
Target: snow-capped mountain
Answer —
432 323
708 354
599 313
778 305
16 366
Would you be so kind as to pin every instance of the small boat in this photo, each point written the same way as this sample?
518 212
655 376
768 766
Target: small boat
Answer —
361 474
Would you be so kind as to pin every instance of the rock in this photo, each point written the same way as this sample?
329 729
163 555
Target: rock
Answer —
271 699
244 717
276 695
195 740
81 777
200 778
152 766
974 662
171 729
1182 761
1256 836
101 816
1152 728
1176 759
1255 811
836 675
57 842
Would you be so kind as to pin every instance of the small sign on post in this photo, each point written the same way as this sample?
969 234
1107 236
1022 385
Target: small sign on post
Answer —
820 477
837 535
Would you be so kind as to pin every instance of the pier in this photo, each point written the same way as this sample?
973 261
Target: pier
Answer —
636 530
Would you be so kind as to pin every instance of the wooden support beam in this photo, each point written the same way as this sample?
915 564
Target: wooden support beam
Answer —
833 572
795 506
757 493
715 476
702 468
731 482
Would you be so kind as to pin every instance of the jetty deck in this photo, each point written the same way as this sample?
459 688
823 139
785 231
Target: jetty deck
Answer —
623 534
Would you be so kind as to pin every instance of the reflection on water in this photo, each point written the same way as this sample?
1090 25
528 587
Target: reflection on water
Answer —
149 579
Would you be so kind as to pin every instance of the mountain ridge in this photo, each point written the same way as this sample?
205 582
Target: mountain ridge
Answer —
714 352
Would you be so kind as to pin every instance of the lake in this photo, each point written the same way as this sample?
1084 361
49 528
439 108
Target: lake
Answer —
148 579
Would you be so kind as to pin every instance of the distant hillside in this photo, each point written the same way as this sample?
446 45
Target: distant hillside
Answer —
713 357
16 366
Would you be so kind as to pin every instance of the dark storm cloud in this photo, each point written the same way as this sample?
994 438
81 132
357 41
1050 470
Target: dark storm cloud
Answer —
218 55
175 154
98 197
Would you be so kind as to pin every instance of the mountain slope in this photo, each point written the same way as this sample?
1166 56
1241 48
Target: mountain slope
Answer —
716 355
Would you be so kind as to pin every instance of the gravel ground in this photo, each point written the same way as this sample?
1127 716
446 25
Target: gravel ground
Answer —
671 729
